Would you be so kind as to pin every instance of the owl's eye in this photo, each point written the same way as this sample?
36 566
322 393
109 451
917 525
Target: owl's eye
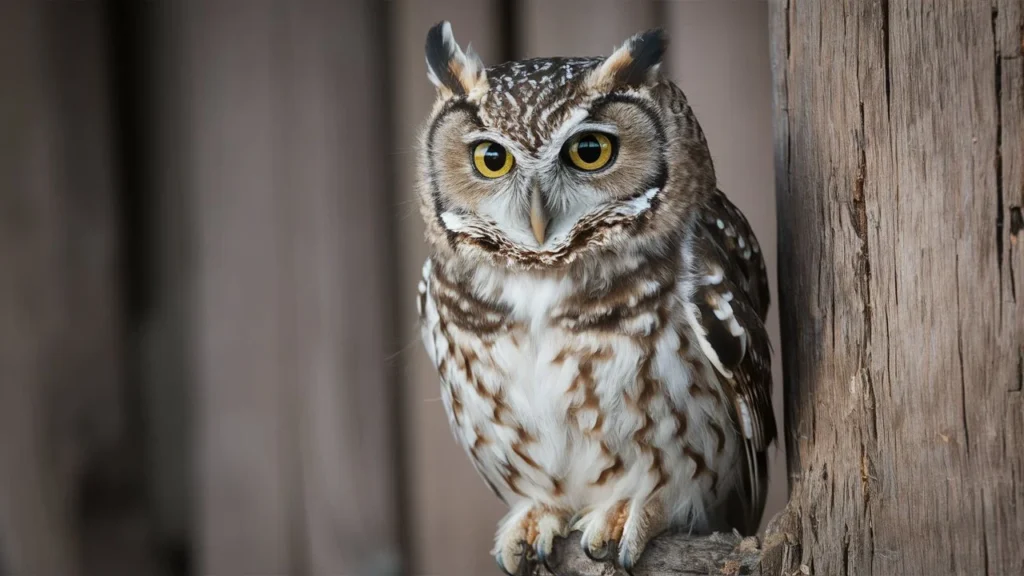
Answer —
590 151
491 159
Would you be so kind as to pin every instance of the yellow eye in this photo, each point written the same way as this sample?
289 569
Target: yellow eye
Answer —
491 159
590 151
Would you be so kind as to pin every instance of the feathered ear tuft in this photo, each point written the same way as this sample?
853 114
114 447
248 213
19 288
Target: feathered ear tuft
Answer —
636 62
452 71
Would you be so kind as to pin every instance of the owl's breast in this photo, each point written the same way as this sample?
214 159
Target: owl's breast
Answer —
572 404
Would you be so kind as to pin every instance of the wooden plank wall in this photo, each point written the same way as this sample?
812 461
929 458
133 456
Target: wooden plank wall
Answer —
284 131
34 504
292 422
61 412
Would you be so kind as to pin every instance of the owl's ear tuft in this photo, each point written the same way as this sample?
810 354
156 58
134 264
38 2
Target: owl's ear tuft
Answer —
454 72
636 62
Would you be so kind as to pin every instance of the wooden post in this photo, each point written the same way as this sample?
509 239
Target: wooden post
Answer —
900 179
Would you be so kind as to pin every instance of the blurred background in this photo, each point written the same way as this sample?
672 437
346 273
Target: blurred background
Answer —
209 248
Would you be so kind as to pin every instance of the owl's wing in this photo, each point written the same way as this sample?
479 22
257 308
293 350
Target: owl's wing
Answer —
728 306
427 313
439 353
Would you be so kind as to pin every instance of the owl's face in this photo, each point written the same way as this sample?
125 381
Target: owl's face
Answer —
540 163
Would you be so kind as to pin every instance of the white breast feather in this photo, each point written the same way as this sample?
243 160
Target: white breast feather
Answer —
537 392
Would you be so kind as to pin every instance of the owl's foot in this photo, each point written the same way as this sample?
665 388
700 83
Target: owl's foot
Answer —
620 530
528 532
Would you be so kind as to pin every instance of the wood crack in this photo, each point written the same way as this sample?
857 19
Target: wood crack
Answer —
884 7
789 51
885 55
999 157
785 76
1016 224
863 273
846 550
960 355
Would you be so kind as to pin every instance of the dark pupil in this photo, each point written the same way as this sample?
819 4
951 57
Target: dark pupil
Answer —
494 157
588 149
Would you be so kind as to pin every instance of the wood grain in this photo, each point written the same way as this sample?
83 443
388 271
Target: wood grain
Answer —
672 555
898 155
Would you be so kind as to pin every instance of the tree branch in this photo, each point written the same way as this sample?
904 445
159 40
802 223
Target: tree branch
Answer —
684 555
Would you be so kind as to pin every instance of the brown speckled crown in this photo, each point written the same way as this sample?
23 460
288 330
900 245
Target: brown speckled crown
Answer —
529 98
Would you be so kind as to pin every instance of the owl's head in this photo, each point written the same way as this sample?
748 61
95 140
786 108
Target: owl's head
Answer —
543 163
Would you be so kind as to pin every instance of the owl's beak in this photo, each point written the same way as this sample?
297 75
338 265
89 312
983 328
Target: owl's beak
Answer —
538 216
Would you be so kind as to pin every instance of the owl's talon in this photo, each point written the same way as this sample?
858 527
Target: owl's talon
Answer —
501 565
601 553
542 554
546 561
525 566
526 534
643 522
599 531
620 531
626 562
522 566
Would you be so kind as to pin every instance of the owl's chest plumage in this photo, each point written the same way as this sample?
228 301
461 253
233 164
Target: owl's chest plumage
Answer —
571 397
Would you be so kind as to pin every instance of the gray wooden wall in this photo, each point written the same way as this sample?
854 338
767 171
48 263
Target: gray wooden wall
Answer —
230 367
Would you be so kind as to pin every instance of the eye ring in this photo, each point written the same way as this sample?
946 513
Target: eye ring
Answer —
590 151
491 159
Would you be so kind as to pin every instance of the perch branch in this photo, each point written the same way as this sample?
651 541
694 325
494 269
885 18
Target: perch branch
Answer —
679 554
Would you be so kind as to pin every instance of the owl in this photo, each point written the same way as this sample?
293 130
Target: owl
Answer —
593 304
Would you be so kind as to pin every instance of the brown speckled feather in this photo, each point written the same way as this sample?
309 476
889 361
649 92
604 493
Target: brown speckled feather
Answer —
597 324
731 293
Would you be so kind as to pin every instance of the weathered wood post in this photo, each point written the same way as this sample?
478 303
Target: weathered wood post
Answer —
900 179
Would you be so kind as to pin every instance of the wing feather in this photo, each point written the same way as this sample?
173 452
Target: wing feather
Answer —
426 308
730 300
